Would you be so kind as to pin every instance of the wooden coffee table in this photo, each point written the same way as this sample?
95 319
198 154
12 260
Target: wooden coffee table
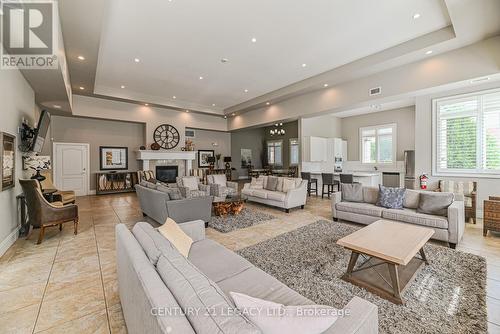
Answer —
230 205
389 252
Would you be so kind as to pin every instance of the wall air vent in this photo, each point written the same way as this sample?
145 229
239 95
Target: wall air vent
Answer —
375 91
190 133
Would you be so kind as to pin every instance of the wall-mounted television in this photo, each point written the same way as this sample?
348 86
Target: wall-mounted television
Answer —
41 132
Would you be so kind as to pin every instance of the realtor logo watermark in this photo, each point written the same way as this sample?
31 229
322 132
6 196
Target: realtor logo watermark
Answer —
29 34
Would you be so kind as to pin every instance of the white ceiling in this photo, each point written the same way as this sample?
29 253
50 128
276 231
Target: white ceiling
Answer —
180 40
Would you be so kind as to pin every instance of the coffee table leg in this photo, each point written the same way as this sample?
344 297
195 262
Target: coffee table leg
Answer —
393 271
352 263
422 254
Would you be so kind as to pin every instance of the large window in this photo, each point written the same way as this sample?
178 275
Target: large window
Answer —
294 151
467 134
378 144
275 152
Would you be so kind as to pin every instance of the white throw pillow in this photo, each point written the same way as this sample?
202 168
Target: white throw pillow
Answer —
277 318
220 179
257 183
288 184
176 236
190 182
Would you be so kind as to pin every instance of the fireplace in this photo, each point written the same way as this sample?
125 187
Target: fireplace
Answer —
167 174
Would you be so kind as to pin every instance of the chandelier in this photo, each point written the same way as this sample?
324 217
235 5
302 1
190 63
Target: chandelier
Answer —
277 130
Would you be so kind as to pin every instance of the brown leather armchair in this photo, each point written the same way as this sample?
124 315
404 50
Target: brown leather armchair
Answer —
43 214
66 197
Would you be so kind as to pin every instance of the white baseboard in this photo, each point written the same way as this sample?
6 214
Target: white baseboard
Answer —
91 192
9 241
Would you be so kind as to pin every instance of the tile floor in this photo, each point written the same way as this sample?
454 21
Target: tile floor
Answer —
68 283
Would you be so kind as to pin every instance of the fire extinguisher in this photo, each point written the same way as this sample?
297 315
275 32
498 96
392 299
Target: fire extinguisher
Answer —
423 181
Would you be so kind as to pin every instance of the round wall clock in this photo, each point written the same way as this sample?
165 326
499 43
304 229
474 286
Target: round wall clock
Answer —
166 136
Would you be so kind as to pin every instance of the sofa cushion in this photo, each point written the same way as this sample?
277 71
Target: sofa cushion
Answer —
259 284
288 184
219 179
164 189
435 203
191 288
174 193
190 182
216 261
279 186
370 195
260 193
276 196
391 198
247 191
413 217
257 183
360 208
352 192
272 183
412 198
150 240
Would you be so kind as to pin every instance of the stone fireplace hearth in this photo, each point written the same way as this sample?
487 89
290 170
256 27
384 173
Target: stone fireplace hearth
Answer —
152 159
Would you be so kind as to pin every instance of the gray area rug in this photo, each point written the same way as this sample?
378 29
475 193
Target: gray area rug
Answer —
247 217
448 296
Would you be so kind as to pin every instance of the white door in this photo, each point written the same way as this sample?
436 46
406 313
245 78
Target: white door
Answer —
71 167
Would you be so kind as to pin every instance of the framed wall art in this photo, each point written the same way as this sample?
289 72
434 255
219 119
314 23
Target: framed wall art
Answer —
7 161
113 158
203 156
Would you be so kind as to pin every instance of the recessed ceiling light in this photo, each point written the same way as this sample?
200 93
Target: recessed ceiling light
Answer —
146 104
81 88
225 116
137 60
267 103
224 60
187 110
416 16
428 52
246 90
325 85
213 104
81 57
254 39
122 86
201 78
233 114
174 97
304 65
57 106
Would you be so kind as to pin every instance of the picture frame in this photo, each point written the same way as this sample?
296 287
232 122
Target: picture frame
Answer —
246 157
203 158
7 161
113 158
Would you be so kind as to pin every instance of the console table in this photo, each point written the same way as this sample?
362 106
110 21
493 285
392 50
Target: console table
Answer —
115 182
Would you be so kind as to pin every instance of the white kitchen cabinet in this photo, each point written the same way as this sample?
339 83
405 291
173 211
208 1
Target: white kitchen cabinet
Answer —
315 149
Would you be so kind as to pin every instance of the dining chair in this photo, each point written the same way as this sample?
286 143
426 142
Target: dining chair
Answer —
328 181
310 181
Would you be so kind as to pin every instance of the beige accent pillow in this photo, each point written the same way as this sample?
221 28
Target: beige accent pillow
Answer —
190 182
220 179
257 183
288 184
176 236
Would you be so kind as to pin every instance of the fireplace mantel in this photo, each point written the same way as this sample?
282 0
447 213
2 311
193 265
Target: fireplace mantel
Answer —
147 155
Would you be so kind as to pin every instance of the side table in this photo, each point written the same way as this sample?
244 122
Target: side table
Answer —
491 219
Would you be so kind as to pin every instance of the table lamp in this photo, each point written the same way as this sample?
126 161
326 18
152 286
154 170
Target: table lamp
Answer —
227 160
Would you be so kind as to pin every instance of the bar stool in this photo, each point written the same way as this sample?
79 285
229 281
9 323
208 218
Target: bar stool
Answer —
346 178
328 181
310 181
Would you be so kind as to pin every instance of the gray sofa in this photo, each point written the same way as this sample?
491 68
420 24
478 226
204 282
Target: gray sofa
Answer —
449 228
154 279
158 206
291 199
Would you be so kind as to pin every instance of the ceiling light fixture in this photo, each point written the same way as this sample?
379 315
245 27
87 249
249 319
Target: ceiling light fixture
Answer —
187 110
146 104
416 16
201 78
122 86
137 60
254 39
428 52
213 104
246 90
174 97
82 88
57 106
304 65
325 85
233 114
225 117
267 103
224 60
81 57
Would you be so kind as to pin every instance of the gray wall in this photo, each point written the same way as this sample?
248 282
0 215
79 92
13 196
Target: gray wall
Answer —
17 100
404 118
291 131
204 140
99 133
252 139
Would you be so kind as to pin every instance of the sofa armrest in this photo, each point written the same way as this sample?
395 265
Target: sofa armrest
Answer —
458 197
205 188
296 197
336 198
194 229
232 185
456 221
189 209
246 185
361 317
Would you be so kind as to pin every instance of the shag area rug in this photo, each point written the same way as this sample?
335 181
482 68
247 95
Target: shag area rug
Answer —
447 296
247 217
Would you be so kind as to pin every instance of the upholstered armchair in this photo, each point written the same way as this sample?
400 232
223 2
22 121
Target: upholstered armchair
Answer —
66 196
220 187
43 214
190 186
468 189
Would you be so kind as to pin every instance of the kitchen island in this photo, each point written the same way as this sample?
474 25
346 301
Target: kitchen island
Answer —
372 179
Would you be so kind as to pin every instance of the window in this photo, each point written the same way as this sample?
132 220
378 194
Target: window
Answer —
378 144
467 134
294 151
274 152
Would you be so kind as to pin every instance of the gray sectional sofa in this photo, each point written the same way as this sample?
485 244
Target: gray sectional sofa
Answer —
157 205
449 227
154 279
